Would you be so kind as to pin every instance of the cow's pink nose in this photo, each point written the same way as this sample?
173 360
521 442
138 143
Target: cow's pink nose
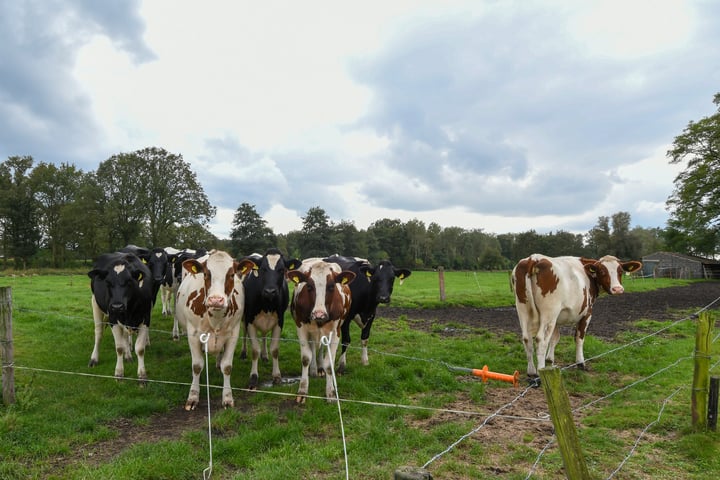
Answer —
618 290
216 301
318 315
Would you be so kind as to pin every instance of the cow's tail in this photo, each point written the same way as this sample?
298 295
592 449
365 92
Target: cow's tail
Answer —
523 279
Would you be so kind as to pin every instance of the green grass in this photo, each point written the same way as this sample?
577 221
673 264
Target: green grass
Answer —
60 419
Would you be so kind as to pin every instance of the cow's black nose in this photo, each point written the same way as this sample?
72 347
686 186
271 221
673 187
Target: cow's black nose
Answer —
117 307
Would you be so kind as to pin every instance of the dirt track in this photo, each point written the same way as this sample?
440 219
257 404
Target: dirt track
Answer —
610 314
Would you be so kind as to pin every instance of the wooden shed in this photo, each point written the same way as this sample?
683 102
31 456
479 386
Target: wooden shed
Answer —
678 265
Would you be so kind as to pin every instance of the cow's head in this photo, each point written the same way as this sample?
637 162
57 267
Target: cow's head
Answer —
123 278
271 269
220 278
158 264
318 289
382 279
608 272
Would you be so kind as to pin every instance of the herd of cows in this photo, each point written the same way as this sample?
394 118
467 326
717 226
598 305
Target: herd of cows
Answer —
214 297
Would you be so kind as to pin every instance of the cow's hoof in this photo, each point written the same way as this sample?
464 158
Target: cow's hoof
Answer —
534 381
92 363
190 406
277 380
582 366
253 383
300 400
243 355
228 404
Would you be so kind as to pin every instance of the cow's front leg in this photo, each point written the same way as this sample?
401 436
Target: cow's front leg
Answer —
198 363
226 365
580 331
121 346
140 343
306 354
275 354
329 360
99 321
254 355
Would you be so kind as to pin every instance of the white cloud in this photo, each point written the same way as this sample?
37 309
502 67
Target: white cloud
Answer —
505 116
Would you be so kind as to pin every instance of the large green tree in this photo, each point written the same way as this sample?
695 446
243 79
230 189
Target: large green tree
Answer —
694 204
55 189
250 233
18 211
150 195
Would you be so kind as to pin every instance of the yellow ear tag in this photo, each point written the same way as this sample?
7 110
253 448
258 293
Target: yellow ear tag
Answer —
368 274
402 277
295 279
194 269
140 277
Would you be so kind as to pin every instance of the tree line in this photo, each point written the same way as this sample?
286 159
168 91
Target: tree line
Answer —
54 216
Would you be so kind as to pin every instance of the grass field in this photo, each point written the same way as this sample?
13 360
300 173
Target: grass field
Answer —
75 422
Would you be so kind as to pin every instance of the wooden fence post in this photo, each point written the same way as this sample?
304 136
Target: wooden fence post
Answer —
6 346
441 277
701 375
561 414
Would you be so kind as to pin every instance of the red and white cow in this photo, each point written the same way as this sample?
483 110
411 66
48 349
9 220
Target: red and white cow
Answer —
320 302
551 292
209 307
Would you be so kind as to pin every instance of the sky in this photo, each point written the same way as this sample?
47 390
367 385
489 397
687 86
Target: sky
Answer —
505 116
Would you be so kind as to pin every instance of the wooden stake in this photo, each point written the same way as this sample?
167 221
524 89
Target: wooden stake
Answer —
6 346
561 414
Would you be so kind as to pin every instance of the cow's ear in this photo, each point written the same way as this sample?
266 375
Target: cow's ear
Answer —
192 266
402 274
245 266
590 269
631 266
293 264
345 277
295 276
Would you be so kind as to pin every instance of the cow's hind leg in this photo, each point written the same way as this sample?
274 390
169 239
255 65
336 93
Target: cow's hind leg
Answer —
554 339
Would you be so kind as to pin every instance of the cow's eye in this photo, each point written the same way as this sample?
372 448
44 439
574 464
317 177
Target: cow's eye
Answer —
330 287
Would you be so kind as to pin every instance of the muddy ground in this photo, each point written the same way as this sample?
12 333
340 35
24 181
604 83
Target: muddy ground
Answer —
611 314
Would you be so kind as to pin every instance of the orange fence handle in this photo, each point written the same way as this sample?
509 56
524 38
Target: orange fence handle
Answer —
484 373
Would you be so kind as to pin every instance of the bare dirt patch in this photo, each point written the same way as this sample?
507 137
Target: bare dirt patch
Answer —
611 314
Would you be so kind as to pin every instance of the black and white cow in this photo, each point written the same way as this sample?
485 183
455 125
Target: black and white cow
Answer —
169 289
373 286
122 294
266 300
157 261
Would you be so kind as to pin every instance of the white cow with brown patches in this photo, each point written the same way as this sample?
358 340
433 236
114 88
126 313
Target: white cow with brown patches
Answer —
320 302
209 306
551 292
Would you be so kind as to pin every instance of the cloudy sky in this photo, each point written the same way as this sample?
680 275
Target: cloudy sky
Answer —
501 115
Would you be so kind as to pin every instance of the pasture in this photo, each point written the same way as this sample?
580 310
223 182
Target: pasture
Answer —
407 407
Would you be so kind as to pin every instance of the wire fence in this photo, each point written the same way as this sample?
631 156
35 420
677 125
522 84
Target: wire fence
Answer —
485 416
